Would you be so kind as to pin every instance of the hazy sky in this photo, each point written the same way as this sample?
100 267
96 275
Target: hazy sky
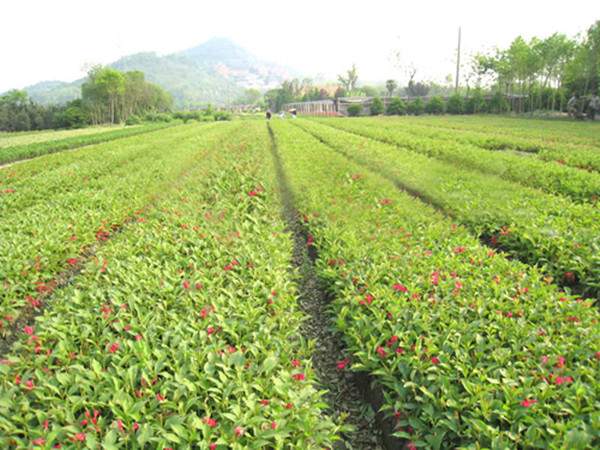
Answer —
56 39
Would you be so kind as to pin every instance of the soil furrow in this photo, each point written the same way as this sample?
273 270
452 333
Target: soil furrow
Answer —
350 396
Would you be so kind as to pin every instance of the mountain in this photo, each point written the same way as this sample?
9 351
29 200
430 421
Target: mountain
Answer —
216 71
54 92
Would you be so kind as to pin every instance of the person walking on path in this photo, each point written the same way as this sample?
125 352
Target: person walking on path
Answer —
268 114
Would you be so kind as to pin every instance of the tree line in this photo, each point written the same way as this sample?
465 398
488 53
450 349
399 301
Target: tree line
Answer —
545 72
107 96
542 73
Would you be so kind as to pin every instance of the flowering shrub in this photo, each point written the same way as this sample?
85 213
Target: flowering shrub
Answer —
451 146
63 204
472 350
538 228
166 348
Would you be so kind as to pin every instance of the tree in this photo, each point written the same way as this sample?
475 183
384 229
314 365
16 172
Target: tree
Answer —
435 105
390 87
455 104
112 96
349 81
396 107
22 122
249 97
476 102
417 89
416 107
112 83
376 107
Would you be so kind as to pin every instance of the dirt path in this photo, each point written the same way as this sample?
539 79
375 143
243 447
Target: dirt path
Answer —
346 390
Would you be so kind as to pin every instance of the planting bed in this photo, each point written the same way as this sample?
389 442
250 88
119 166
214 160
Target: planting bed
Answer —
318 284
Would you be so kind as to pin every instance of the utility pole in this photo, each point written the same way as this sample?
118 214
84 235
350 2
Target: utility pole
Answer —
457 63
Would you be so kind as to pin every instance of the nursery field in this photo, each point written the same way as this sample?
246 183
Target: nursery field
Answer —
28 137
368 283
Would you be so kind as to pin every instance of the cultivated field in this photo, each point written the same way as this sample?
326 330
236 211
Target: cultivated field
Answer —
249 285
30 137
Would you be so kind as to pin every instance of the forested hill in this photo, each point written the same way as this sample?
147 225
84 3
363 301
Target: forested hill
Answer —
216 71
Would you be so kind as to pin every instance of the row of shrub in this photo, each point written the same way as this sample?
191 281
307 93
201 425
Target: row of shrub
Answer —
456 104
207 115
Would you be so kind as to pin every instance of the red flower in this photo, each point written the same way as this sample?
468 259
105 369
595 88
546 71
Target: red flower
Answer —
120 426
341 365
39 441
399 350
210 330
210 422
299 376
136 426
289 406
528 402
561 362
459 250
310 240
385 201
411 446
573 319
186 284
160 397
34 302
28 330
29 385
239 431
562 380
138 337
212 446
252 193
72 261
45 425
435 360
264 402
367 300
544 360
296 363
78 437
391 341
435 278
114 347
597 355
381 352
399 288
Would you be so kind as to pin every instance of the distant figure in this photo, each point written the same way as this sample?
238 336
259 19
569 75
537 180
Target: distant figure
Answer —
294 113
572 106
594 106
282 115
268 114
